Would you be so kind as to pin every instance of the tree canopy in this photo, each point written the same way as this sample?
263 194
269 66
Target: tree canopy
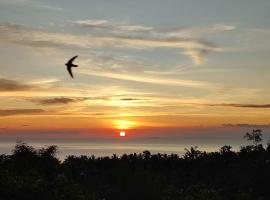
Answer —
30 173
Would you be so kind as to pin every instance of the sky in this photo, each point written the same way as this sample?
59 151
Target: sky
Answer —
151 68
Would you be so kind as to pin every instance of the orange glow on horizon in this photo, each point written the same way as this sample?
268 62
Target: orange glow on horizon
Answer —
124 124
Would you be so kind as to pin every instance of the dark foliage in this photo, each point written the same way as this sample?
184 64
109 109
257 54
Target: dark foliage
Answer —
225 175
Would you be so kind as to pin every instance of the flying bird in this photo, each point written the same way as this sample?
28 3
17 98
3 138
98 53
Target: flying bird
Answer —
69 65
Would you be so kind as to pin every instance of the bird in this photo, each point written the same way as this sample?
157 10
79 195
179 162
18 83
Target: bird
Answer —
69 65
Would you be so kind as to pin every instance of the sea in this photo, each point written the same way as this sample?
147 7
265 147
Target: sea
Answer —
101 148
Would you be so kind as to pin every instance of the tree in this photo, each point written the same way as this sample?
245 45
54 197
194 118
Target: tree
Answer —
255 136
192 153
225 149
50 151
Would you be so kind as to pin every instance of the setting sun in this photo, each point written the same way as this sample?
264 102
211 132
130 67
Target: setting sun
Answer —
122 134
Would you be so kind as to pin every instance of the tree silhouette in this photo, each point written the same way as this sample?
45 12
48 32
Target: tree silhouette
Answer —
192 153
225 149
255 136
31 174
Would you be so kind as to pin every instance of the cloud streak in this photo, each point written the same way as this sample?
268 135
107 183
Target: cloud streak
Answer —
235 105
187 38
58 100
130 36
30 3
151 80
11 112
247 125
112 26
7 85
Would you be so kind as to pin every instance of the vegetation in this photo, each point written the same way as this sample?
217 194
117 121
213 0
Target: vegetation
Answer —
225 175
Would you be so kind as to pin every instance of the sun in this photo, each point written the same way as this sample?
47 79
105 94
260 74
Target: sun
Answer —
122 134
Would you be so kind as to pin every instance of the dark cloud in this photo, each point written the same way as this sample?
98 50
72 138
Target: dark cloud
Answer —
98 114
11 112
131 99
242 105
64 100
58 100
247 125
7 85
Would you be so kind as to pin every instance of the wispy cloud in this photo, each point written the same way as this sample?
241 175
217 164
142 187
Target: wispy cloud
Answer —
104 62
173 70
12 85
133 99
140 37
58 100
234 105
187 38
248 125
39 85
11 112
112 26
124 26
32 4
152 80
197 56
99 23
37 38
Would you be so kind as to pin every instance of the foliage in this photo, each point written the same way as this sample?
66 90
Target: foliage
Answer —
30 173
255 136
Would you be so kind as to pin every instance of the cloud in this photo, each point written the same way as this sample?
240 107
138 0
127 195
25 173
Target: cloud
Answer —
235 105
58 100
92 23
187 38
136 28
12 112
223 27
197 55
132 99
124 26
31 3
7 85
38 38
103 62
152 80
247 125
119 36
112 26
174 70
64 100
35 85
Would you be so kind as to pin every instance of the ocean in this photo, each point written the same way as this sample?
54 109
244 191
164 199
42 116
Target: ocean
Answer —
100 148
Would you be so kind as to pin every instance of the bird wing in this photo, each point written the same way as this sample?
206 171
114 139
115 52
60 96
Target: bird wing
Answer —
72 59
70 71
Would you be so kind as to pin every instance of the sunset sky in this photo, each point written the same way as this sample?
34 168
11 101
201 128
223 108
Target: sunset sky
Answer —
151 68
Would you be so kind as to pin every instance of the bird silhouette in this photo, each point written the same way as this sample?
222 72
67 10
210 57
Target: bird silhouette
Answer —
69 65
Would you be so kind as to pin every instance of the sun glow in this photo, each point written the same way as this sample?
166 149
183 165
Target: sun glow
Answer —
124 124
122 134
